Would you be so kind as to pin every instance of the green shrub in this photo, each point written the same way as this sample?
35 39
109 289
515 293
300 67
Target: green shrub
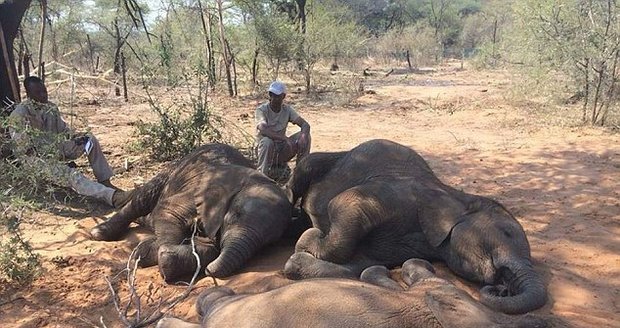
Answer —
18 263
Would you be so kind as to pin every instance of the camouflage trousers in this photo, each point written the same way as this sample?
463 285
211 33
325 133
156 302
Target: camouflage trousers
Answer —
273 153
62 175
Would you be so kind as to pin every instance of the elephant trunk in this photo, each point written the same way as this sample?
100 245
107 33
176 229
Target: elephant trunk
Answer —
524 289
237 246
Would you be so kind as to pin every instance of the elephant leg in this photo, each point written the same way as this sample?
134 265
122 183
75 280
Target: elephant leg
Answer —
302 265
147 252
352 215
380 276
178 262
142 202
415 270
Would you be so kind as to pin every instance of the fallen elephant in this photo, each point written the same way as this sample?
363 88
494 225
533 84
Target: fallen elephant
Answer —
376 301
238 211
381 204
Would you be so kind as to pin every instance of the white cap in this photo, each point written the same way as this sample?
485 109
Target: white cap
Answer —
277 88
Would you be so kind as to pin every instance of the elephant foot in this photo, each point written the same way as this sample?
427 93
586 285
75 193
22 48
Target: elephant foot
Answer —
147 252
414 270
380 276
109 231
309 242
178 262
303 265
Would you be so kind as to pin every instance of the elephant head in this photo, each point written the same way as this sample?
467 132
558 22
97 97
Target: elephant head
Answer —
487 244
255 217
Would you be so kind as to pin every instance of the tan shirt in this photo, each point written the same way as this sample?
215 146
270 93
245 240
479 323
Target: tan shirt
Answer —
38 127
277 122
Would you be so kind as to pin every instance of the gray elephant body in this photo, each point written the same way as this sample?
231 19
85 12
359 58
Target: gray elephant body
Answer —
376 301
238 211
381 203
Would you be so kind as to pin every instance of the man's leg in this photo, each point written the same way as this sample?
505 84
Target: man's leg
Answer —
299 151
64 176
266 151
98 162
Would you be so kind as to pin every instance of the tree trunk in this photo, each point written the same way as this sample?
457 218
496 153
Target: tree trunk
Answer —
117 57
206 30
11 13
90 54
301 15
224 48
255 66
124 71
42 38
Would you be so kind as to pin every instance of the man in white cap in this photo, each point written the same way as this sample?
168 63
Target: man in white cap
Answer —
275 148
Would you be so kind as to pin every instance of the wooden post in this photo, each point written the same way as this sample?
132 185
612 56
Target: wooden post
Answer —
123 71
224 48
90 53
42 38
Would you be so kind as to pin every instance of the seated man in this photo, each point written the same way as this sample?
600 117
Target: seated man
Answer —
42 140
274 147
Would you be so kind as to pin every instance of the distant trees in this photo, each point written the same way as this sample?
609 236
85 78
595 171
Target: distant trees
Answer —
580 39
250 41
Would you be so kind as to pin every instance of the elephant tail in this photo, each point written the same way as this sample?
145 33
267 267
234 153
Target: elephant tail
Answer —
525 290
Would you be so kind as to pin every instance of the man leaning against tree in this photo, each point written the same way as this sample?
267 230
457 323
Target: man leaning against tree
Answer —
44 143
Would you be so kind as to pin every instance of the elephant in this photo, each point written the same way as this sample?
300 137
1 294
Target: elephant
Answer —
215 192
375 301
380 204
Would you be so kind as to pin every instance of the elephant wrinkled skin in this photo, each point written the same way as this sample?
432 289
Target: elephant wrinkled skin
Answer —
238 211
376 301
381 204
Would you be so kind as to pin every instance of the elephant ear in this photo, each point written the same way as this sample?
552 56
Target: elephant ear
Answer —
438 219
212 206
454 308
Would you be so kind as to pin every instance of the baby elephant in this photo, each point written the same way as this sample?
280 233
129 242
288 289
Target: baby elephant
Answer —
213 193
376 301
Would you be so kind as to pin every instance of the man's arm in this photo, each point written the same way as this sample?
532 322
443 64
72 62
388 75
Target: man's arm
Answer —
263 128
305 127
267 132
18 130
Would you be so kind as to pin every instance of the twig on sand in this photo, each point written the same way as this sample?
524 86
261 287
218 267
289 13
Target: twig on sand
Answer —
135 299
455 138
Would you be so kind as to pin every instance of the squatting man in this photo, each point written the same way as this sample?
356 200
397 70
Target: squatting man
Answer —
275 149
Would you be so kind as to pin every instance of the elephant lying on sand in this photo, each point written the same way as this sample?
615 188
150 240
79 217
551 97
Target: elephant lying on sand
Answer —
239 210
377 301
380 203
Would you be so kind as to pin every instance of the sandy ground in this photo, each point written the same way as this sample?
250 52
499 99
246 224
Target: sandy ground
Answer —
561 182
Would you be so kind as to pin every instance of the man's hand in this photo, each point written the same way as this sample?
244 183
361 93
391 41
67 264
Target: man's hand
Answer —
302 143
82 140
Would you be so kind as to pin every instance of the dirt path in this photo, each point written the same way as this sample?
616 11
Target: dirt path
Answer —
561 183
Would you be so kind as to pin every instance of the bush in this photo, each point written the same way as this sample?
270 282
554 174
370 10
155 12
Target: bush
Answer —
18 263
186 122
